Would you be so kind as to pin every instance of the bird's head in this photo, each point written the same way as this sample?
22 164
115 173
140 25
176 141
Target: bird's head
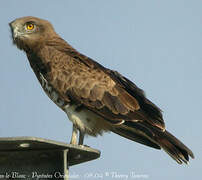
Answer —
30 32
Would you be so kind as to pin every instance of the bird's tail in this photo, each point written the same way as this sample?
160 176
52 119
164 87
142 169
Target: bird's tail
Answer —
156 139
174 147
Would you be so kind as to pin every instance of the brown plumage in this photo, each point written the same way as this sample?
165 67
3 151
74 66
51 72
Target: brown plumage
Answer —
96 99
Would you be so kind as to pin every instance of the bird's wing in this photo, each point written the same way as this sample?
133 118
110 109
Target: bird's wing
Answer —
149 108
107 93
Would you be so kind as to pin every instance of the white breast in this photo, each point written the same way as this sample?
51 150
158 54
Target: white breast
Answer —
86 120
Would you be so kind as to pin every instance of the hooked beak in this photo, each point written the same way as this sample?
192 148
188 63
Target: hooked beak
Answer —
15 30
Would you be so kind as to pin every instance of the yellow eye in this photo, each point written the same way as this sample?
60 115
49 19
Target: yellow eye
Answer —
30 26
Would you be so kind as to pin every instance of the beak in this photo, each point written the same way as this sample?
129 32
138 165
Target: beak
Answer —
11 28
10 24
15 30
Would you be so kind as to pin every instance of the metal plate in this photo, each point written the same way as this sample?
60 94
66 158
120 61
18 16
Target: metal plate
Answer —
76 154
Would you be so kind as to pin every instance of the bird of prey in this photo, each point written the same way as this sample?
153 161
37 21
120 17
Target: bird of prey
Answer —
95 99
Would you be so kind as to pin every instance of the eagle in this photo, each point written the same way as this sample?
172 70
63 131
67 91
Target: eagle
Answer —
96 99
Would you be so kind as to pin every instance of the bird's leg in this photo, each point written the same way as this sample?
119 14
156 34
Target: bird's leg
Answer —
81 137
74 135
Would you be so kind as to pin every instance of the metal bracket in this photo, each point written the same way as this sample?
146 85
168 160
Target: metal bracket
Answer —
37 158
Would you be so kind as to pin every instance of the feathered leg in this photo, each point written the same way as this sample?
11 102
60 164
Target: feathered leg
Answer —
81 137
74 135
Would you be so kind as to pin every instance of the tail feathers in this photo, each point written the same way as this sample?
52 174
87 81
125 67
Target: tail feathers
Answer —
136 136
174 147
156 139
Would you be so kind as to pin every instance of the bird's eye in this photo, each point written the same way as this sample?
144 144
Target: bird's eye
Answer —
30 27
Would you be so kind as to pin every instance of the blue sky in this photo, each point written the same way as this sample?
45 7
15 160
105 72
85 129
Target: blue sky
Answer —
157 44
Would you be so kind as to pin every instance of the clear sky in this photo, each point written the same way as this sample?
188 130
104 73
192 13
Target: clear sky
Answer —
157 44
